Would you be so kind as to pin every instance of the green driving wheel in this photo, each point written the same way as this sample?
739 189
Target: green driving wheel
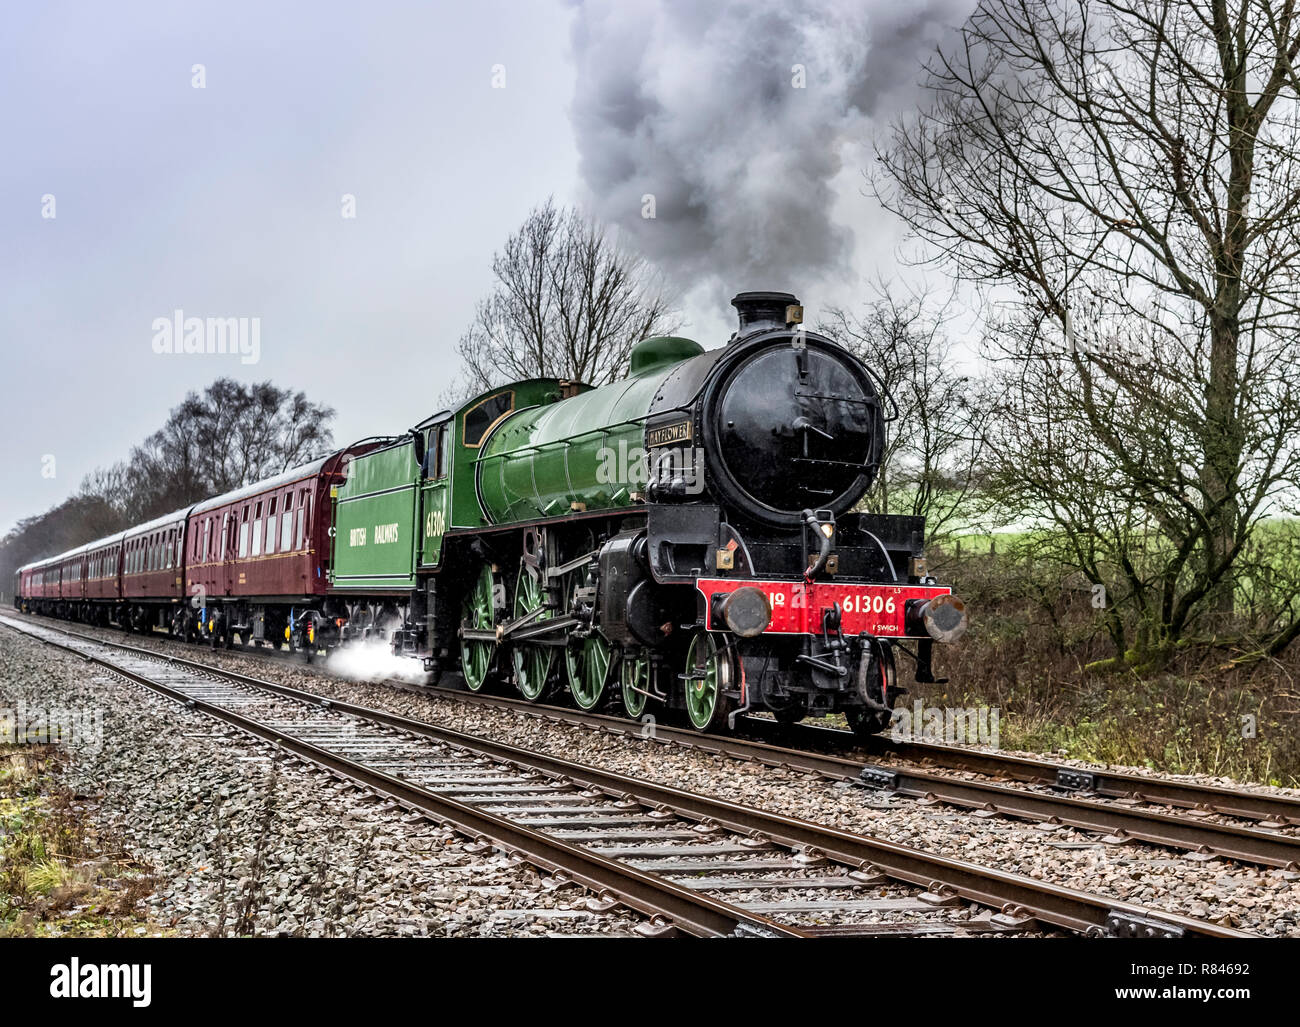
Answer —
708 678
532 661
588 664
477 613
634 675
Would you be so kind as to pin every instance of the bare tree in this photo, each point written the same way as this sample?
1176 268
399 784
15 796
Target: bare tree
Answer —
568 302
1129 169
932 466
231 435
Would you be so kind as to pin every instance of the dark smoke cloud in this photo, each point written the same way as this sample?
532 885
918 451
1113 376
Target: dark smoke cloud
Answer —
693 102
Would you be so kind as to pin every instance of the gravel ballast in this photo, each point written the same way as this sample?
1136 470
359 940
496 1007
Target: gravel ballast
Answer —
1257 899
244 842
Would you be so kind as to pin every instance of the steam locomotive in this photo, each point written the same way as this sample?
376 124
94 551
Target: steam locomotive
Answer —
684 537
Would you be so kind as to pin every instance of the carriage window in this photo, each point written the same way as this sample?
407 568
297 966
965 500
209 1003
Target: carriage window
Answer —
480 418
257 532
286 525
270 529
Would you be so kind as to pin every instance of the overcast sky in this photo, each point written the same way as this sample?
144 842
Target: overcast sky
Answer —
227 200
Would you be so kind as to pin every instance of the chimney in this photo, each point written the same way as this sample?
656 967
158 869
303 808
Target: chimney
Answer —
764 311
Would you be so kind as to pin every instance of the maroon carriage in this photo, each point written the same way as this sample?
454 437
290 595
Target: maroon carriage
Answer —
103 566
72 578
152 577
47 582
257 558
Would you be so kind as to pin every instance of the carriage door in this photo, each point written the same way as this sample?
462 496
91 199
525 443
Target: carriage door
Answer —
227 545
435 493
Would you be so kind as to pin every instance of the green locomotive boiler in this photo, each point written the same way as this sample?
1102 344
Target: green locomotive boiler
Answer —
683 537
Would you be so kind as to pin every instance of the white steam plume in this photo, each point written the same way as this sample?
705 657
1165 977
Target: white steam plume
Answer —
698 104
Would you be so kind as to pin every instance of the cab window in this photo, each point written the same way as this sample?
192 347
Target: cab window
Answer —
480 418
442 456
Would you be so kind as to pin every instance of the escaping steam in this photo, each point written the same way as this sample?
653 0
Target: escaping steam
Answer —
373 660
745 121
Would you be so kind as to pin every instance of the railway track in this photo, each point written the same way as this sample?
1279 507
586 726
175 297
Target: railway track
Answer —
1270 810
1117 822
691 863
1120 808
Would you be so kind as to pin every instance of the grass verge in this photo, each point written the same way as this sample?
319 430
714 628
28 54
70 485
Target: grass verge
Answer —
60 876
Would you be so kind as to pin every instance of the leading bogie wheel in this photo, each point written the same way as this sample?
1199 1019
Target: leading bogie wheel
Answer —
478 613
710 674
878 679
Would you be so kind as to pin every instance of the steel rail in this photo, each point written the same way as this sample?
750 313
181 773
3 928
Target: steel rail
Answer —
690 911
945 877
1118 823
1234 802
